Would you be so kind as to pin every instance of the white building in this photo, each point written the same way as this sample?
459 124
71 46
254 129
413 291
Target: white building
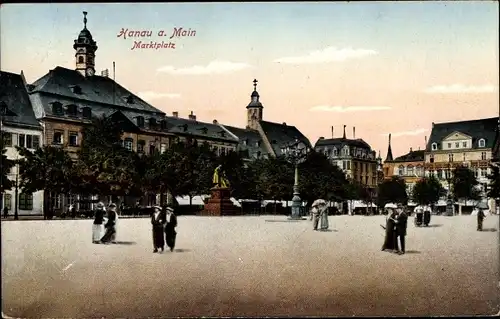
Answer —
19 128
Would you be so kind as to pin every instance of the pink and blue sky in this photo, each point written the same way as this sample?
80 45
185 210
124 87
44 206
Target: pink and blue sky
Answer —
383 67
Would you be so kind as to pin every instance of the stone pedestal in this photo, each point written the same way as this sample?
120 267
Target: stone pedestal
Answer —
220 204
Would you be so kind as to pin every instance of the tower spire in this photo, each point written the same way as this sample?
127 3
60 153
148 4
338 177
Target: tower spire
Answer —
389 151
255 84
85 19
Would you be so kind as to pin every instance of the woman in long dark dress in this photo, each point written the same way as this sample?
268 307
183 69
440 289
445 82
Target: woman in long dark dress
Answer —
390 236
170 232
158 220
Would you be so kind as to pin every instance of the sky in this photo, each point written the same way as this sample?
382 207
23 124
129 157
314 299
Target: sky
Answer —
381 67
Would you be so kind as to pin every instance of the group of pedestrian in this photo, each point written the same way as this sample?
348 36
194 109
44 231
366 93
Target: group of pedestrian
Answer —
319 212
395 228
107 218
422 216
164 223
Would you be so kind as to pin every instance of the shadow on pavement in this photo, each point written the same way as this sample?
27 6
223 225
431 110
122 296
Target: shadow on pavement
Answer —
125 243
433 225
412 252
490 229
327 230
181 250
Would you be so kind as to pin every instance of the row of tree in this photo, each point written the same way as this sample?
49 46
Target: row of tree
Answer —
104 167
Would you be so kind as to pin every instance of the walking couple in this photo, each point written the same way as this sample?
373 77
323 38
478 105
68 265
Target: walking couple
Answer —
396 224
109 224
163 223
319 211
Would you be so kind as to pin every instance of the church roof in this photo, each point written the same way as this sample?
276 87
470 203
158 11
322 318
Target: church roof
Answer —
249 140
15 96
94 89
412 156
282 135
477 129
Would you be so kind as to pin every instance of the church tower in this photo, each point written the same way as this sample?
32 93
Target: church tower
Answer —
85 48
254 109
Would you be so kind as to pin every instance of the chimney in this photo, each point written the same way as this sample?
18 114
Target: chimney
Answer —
192 116
175 114
432 124
215 122
426 141
344 132
354 132
284 123
105 73
411 149
332 131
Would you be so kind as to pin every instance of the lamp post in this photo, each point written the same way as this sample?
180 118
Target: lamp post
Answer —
296 152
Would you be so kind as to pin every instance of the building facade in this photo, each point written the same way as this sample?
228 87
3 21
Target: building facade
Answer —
19 127
409 167
465 143
354 156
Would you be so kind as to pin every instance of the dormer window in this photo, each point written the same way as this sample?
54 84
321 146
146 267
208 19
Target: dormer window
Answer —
434 146
163 124
222 133
57 108
72 110
482 143
204 130
140 121
152 123
76 89
130 99
185 127
87 113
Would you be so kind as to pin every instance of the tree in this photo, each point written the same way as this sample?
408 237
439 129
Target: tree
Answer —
427 191
5 168
276 178
48 168
392 191
494 185
464 184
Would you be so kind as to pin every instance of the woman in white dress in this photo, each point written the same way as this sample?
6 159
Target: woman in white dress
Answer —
323 208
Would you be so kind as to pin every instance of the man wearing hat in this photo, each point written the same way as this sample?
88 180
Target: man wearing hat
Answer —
110 225
97 228
170 232
158 220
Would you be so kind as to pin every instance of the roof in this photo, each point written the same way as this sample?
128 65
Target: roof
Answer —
182 126
412 156
477 129
94 89
249 140
340 142
15 96
282 135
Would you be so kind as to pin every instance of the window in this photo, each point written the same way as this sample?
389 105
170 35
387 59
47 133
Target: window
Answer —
36 141
483 156
152 123
128 143
25 201
87 113
29 141
58 137
483 173
57 108
457 145
464 144
90 60
140 146
21 140
7 201
73 138
71 110
482 143
163 124
450 157
348 165
163 148
7 139
152 149
449 145
419 171
434 146
140 121
130 99
465 157
431 158
344 165
223 151
335 152
81 59
401 170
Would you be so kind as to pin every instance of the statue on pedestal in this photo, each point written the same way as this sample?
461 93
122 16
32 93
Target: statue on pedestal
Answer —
219 178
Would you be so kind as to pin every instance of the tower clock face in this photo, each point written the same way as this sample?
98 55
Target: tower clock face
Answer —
89 71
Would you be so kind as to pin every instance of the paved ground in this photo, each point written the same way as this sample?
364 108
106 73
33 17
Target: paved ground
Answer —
250 266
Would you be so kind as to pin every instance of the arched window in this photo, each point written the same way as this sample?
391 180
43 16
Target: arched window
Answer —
409 170
335 152
482 143
401 170
81 59
419 171
434 146
87 113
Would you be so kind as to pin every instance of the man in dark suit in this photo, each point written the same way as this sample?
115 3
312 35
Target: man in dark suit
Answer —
401 223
